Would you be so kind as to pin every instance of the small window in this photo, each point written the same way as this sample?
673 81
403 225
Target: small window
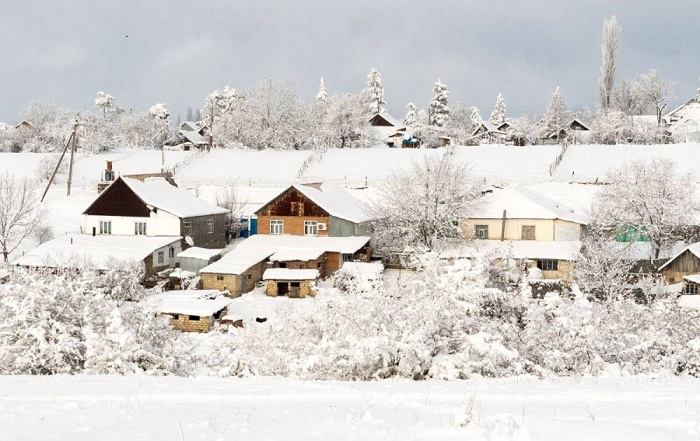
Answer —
528 232
171 253
161 257
481 231
194 318
346 257
276 227
548 265
174 316
310 228
219 277
188 228
295 284
210 226
140 228
105 227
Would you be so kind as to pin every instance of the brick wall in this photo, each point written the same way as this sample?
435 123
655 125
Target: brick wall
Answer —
292 224
305 288
234 282
183 323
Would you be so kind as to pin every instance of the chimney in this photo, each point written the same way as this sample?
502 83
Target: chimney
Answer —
109 165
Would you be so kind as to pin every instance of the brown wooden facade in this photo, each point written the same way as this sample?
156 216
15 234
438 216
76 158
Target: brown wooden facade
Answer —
118 200
684 264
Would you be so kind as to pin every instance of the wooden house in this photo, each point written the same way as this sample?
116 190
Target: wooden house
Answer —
487 133
153 207
314 210
521 214
294 283
691 284
685 263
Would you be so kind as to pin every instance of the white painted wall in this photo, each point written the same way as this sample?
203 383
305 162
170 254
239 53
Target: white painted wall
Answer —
166 252
158 224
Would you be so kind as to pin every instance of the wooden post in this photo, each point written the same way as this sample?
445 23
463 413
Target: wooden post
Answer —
503 227
57 165
72 152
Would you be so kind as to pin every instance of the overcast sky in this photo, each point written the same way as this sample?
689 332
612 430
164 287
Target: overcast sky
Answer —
176 52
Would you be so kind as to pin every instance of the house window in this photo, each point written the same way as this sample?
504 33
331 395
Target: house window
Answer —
528 232
105 227
220 277
171 253
188 228
174 316
481 231
210 226
140 228
548 265
691 288
310 228
276 227
346 257
194 318
161 257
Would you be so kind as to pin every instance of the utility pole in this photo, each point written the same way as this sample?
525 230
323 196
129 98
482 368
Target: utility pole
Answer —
72 152
69 143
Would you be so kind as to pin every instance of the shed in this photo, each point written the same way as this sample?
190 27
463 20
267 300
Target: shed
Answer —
685 263
294 283
691 284
194 259
191 311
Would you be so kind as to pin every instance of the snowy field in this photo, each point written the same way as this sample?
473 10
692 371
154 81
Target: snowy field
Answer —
168 408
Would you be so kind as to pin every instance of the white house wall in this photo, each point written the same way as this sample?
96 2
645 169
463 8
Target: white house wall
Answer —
161 223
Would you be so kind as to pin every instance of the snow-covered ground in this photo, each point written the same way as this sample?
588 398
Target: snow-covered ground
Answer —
168 408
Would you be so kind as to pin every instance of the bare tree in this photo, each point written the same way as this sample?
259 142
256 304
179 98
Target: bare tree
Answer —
653 90
421 207
230 199
20 212
611 39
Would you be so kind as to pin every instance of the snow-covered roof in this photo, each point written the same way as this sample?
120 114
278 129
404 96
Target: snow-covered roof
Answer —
694 250
490 128
290 254
203 303
158 193
695 278
335 200
365 270
290 274
522 203
390 119
519 249
259 247
182 274
199 253
72 251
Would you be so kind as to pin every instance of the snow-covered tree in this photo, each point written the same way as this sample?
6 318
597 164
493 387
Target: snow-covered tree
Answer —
230 198
322 94
272 111
159 111
374 93
21 214
611 40
556 116
602 270
650 197
105 103
421 207
346 122
223 114
439 111
498 116
475 116
411 117
653 91
523 130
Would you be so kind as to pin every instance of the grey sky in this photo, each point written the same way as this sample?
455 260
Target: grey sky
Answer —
177 52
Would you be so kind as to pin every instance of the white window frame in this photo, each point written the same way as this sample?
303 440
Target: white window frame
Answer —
160 257
187 227
140 228
210 226
105 227
276 226
548 264
310 228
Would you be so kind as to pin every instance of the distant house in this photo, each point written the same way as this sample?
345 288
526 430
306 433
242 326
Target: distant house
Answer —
386 128
574 131
314 210
191 311
521 214
487 133
77 251
685 263
190 137
684 121
244 266
154 207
